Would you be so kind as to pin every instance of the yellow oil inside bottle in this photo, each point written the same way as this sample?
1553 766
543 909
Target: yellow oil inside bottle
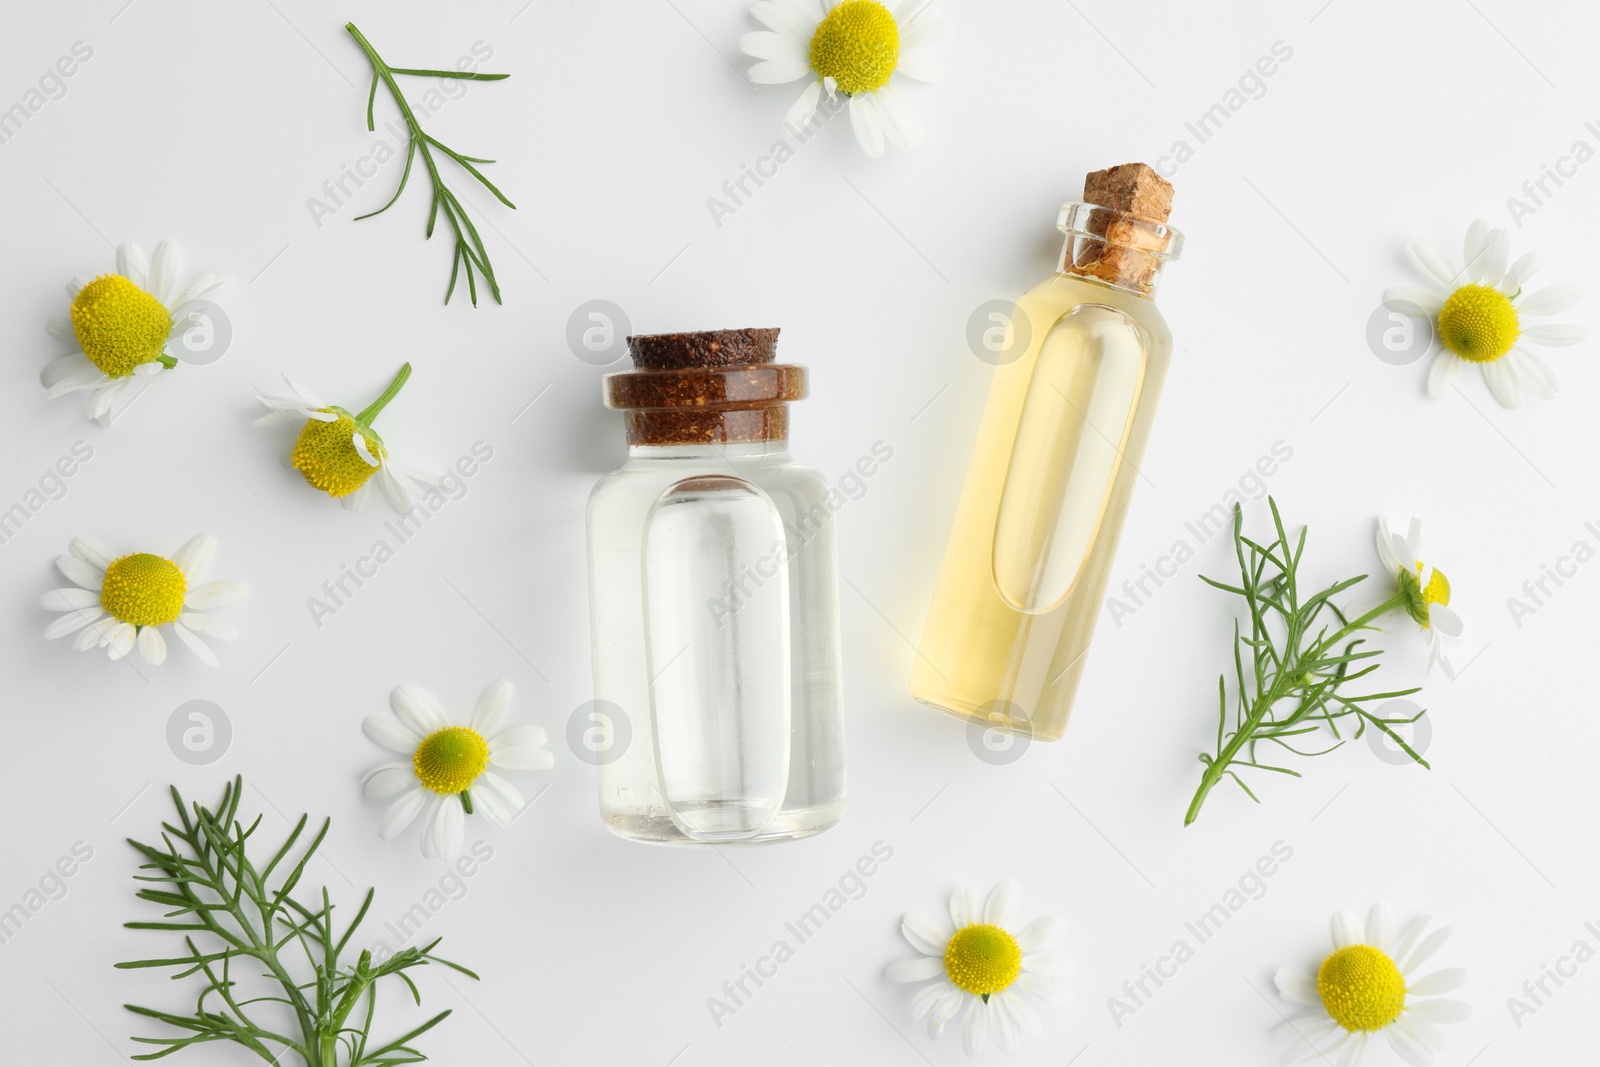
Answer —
1035 534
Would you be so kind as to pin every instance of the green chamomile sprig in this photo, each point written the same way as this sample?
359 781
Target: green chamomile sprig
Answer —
217 897
1292 668
469 250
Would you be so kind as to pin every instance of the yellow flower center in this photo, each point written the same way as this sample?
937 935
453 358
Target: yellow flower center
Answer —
982 959
1478 323
857 45
450 760
143 589
326 458
1361 988
1419 597
119 325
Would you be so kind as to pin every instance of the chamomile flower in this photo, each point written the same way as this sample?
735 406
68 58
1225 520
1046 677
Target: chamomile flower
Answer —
1369 985
117 602
338 452
1427 591
971 959
1478 310
447 776
121 324
854 47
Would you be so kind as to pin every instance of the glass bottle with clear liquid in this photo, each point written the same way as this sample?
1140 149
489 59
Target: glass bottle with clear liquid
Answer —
714 602
1058 452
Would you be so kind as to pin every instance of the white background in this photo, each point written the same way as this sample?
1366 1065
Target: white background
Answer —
213 125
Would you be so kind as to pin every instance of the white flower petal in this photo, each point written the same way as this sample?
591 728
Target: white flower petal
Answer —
926 935
70 599
1503 384
766 44
490 711
975 1032
72 622
508 792
924 999
1442 371
1021 1012
120 640
195 557
1041 932
450 827
919 969
430 825
796 20
1049 964
800 113
387 780
779 71
1440 1010
919 64
394 489
1380 927
997 908
92 551
1519 272
81 572
402 813
96 634
1445 621
1551 300
963 908
418 709
197 646
152 646
1409 1048
1554 335
163 271
1346 931
59 327
1476 246
522 758
1297 987
1413 300
901 126
196 289
216 595
1352 1051
867 125
1444 981
1052 990
358 441
1005 1028
73 368
391 735
1426 257
489 804
134 265
1425 951
1535 372
210 626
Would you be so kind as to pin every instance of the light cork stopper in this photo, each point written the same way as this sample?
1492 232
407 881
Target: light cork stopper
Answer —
1136 202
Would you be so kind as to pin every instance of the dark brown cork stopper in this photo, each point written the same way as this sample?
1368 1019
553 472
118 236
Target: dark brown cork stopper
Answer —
713 348
720 386
1132 204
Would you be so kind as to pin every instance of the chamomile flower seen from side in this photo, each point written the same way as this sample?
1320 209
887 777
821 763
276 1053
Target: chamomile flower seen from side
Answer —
121 324
1370 985
863 49
1426 590
446 774
973 960
117 602
339 453
1478 309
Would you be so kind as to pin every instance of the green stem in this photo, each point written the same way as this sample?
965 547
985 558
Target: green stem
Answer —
466 801
1286 679
371 411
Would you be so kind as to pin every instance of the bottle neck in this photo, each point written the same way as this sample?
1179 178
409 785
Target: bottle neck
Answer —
714 451
1118 249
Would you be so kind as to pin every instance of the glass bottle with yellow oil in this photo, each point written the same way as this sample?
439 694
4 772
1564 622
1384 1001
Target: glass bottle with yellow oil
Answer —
1058 454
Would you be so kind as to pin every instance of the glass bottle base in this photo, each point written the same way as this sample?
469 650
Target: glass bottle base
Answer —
657 829
988 715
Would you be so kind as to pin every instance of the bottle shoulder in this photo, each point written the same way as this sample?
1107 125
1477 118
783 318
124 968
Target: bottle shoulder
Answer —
1058 294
